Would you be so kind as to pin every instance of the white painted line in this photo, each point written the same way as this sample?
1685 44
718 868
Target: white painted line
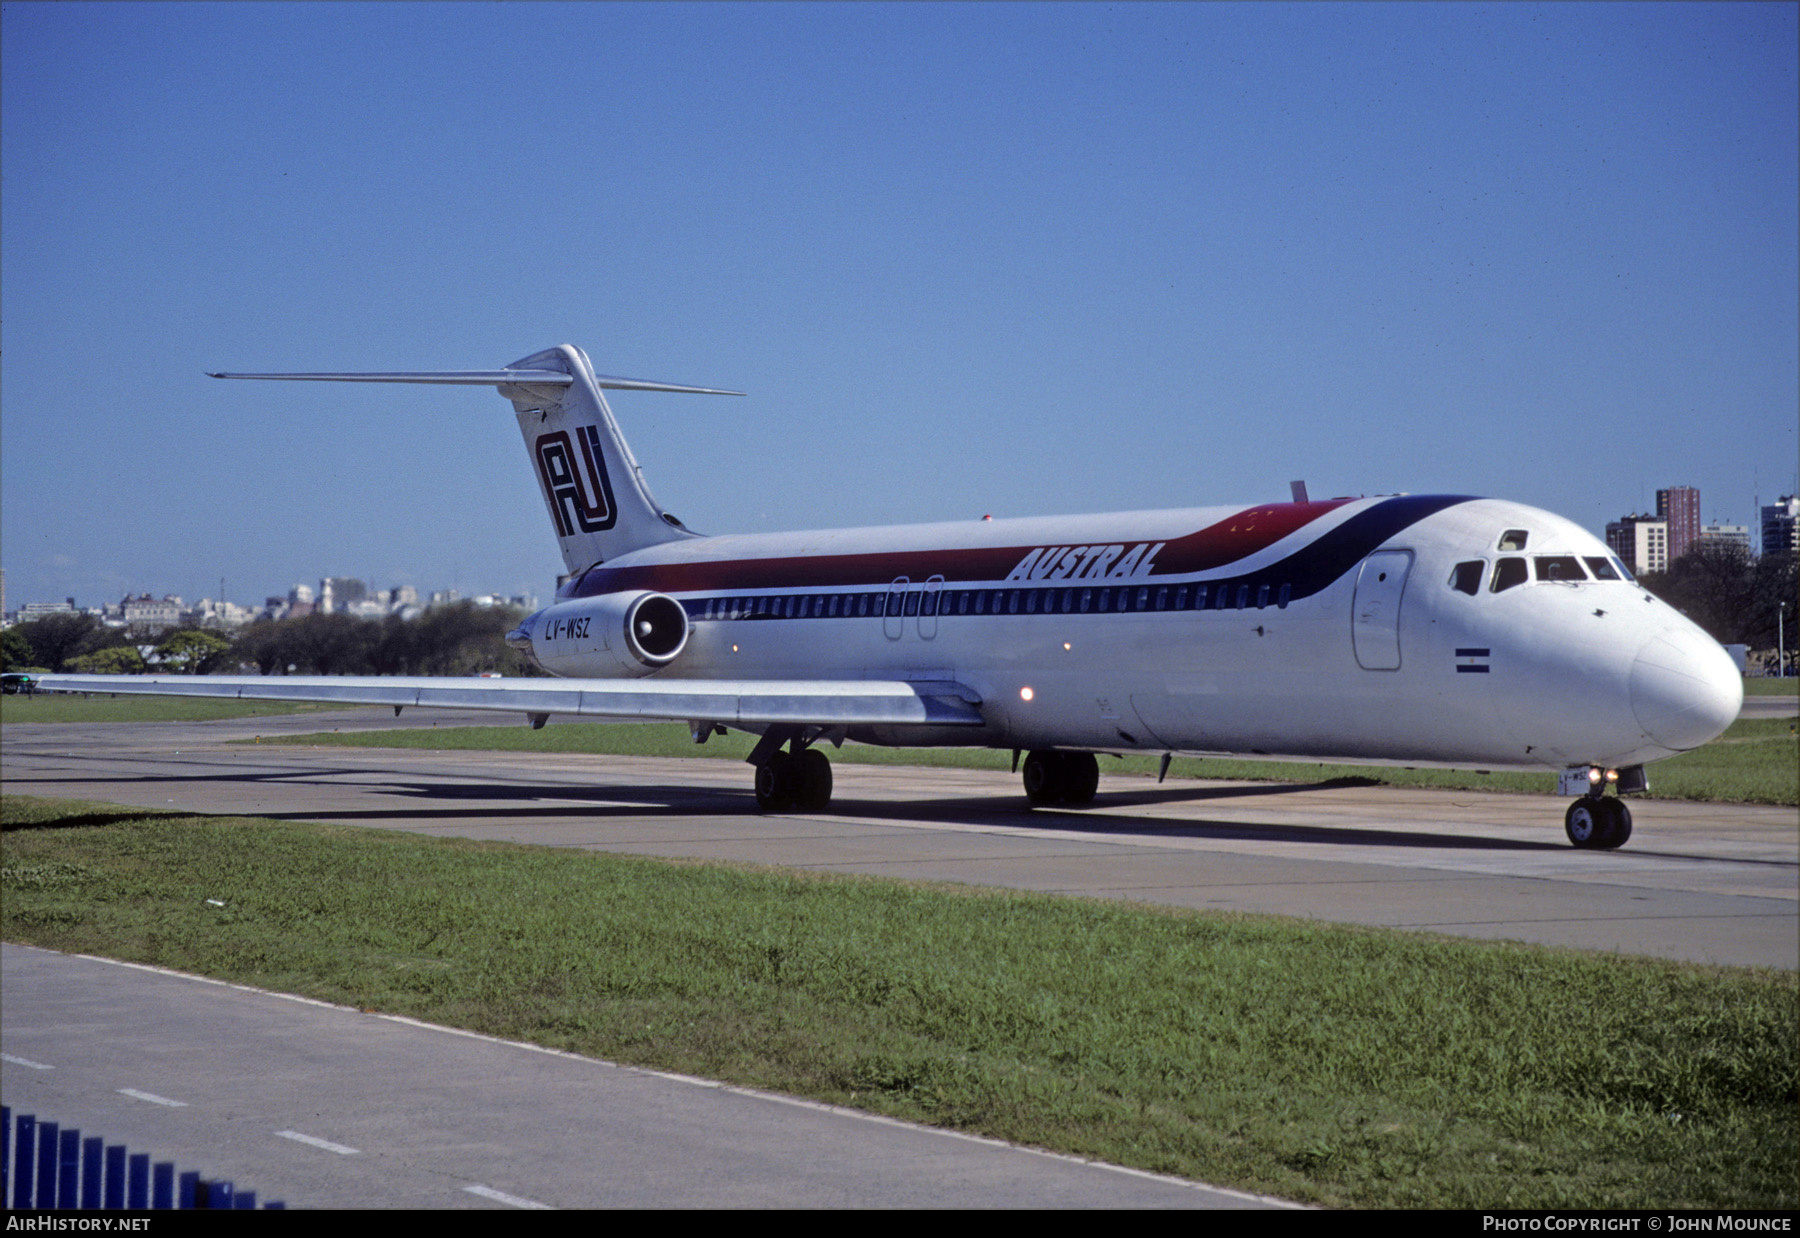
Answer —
153 1098
25 1061
488 1192
315 1142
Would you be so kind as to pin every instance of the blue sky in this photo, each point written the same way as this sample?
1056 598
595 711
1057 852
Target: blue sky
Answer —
1014 259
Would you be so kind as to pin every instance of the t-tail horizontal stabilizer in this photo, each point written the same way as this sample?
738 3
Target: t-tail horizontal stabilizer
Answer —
599 504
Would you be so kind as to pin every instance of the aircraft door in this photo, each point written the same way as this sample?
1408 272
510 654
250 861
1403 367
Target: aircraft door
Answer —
893 619
1375 611
928 607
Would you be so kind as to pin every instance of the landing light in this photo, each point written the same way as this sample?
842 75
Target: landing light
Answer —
1025 694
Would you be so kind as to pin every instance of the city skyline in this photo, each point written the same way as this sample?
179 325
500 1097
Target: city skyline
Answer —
966 259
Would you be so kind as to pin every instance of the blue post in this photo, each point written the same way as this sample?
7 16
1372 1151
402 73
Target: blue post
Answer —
46 1165
218 1195
68 1170
187 1193
90 1172
5 1153
162 1194
115 1177
27 1136
137 1181
244 1200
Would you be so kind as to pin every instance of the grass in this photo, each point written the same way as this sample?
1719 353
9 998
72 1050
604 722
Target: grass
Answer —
1764 685
1755 761
1339 1066
68 707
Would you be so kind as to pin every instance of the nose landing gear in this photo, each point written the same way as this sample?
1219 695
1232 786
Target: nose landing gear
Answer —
1597 823
1594 822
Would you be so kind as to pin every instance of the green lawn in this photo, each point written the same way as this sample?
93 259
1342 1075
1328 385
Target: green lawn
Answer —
1339 1066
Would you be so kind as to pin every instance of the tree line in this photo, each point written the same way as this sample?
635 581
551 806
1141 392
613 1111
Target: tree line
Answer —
1733 594
457 639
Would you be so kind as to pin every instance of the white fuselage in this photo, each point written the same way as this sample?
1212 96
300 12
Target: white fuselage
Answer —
1425 629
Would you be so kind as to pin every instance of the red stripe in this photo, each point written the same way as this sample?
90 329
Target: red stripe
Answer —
1237 536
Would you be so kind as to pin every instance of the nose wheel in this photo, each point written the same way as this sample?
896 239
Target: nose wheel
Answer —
1598 823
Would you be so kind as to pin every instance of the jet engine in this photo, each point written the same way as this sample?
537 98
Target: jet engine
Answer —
617 633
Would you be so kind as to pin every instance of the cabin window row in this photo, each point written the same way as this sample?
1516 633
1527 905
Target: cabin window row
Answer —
1124 599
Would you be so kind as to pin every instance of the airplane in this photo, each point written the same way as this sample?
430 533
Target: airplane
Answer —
1431 630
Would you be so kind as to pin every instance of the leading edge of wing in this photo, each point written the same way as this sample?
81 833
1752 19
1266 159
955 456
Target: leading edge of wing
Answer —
823 702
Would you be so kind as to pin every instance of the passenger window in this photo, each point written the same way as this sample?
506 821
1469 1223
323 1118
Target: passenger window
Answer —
1509 572
1466 578
1243 597
1287 595
1598 565
1200 597
1513 539
1262 596
1559 567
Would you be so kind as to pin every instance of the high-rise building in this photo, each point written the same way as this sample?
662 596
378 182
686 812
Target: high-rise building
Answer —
1781 526
1642 542
1733 536
1679 506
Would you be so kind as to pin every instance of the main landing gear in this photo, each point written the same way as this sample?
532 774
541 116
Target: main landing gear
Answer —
794 782
1061 779
798 780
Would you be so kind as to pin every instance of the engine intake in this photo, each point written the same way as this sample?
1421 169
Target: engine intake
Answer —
656 629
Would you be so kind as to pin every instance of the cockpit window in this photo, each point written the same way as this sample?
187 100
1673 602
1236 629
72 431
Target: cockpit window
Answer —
1509 572
1559 567
1624 571
1600 566
1466 578
1513 539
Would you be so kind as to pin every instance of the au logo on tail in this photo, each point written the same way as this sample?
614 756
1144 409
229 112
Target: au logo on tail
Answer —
580 496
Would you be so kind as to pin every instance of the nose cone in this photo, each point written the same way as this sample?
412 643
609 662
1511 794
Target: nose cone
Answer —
1684 689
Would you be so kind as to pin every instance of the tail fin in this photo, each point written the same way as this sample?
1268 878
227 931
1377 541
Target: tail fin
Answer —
599 504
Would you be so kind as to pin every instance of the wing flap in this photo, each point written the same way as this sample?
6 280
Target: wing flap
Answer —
752 702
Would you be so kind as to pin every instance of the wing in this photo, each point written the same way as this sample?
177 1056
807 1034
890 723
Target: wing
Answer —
821 702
